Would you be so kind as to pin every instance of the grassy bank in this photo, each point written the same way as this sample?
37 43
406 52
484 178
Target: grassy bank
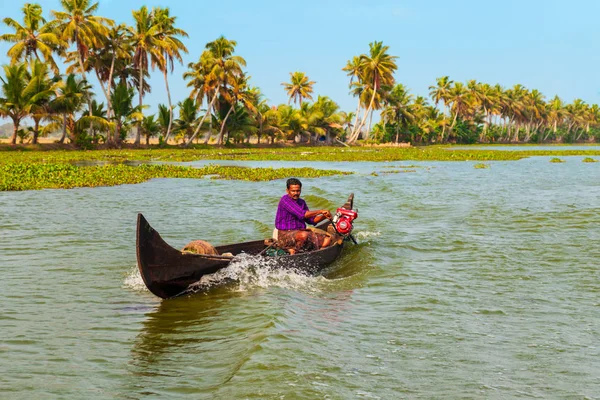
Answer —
431 153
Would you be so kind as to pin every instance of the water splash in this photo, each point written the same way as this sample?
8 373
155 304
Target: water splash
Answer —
366 234
134 280
248 272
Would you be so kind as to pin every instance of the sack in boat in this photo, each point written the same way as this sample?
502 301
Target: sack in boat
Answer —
200 247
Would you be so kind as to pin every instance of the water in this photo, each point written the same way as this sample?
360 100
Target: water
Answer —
467 283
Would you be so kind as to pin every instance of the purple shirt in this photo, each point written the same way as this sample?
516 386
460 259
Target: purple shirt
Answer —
290 214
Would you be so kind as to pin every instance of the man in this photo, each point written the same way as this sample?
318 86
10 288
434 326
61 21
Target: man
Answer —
292 216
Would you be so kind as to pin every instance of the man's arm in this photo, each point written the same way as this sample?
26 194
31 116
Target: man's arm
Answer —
317 215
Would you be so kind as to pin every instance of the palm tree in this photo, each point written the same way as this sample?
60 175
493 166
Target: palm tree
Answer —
15 102
32 37
146 37
556 113
398 110
125 114
172 48
440 92
354 71
377 70
331 120
299 88
238 93
188 115
241 124
114 52
150 127
70 97
99 114
460 101
164 120
77 24
218 66
42 88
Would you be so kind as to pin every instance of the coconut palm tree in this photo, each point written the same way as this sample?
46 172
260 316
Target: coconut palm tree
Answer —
377 70
188 118
124 112
70 97
556 113
299 88
42 88
460 101
218 66
398 111
172 48
164 120
15 102
32 38
146 38
238 93
114 52
77 24
150 127
354 71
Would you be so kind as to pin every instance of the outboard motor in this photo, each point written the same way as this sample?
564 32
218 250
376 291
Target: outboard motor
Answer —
342 222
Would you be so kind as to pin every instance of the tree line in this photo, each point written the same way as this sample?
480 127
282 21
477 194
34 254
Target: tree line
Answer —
223 105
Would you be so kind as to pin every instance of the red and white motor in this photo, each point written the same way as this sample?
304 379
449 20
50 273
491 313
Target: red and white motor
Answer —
342 221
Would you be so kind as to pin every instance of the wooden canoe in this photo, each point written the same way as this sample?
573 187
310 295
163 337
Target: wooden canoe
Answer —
168 272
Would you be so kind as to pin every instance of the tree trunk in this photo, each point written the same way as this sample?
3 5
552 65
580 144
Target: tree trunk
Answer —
89 98
64 131
202 121
220 137
370 121
210 110
16 123
357 129
170 108
36 130
141 94
355 119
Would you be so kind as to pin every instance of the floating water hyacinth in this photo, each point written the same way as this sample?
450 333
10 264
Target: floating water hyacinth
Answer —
23 176
432 153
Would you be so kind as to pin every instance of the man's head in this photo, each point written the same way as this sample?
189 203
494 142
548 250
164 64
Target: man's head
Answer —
294 188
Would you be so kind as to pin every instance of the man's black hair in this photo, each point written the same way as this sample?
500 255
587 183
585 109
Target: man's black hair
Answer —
293 181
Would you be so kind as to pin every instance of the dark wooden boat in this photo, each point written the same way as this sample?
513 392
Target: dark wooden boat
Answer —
168 272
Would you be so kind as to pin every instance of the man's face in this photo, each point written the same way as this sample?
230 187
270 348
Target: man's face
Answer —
294 191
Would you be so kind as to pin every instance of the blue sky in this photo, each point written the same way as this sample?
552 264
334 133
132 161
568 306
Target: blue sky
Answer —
547 45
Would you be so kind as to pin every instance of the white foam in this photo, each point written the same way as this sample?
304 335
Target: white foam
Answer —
366 234
134 280
251 272
248 272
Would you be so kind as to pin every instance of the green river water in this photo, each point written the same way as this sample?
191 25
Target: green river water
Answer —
466 283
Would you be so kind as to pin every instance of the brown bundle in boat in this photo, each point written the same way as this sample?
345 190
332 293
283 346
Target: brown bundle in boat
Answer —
200 247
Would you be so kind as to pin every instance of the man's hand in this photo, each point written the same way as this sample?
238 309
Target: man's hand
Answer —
326 214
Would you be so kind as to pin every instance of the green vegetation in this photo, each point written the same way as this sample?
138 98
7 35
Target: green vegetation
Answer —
481 166
377 154
556 160
589 160
25 176
223 106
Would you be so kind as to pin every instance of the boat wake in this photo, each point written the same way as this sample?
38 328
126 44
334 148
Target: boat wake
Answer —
134 280
250 272
246 272
366 234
